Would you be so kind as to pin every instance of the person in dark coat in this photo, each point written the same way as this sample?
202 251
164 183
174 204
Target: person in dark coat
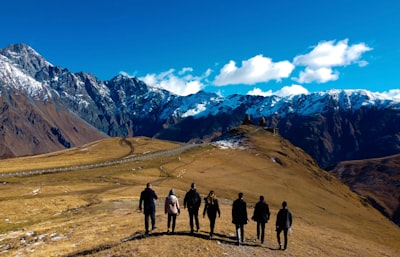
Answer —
261 216
192 201
239 217
212 208
147 198
283 223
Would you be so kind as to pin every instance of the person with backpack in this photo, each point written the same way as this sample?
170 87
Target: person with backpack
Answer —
239 217
283 223
192 202
212 208
261 216
148 197
171 208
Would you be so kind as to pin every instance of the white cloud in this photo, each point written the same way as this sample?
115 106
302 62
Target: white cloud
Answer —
184 70
258 91
328 54
180 85
283 92
320 75
254 70
291 91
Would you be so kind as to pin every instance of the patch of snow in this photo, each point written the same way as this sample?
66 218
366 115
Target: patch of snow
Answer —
229 144
192 112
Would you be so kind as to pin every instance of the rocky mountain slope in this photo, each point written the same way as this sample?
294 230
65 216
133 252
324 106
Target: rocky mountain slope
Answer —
378 180
331 126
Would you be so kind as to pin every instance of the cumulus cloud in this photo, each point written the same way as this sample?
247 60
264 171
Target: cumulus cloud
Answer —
180 85
254 70
326 55
320 75
283 92
260 92
329 54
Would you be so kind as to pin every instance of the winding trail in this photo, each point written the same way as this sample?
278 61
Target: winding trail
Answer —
146 156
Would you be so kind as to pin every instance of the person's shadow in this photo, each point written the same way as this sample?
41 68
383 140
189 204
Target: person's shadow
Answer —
224 239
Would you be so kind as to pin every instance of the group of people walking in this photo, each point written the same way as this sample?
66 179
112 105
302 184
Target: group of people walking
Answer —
192 202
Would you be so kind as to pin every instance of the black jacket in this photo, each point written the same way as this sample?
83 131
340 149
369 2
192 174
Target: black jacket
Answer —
261 212
212 209
147 197
284 219
192 199
239 212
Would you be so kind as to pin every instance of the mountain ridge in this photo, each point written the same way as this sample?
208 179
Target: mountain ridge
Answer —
45 108
332 125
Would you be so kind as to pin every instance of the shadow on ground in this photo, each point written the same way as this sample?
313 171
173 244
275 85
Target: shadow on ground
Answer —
141 236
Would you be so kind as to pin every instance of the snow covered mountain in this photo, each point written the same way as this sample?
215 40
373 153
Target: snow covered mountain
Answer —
332 126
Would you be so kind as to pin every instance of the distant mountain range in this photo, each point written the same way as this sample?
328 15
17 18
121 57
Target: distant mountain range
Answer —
44 108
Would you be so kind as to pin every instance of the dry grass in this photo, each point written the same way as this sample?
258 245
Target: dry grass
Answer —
94 212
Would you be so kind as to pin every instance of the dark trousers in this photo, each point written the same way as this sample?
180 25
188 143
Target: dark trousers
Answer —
285 233
173 218
260 230
239 232
149 215
194 214
212 219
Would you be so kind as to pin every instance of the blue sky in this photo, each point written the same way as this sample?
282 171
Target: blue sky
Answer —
225 46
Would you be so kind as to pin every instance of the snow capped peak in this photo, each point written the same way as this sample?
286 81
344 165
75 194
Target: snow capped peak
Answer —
25 58
12 75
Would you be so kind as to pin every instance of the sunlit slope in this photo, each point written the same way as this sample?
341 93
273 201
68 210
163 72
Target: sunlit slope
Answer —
99 151
94 212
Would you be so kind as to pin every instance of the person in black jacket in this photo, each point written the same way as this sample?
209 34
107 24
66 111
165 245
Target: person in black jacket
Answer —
283 223
261 216
239 217
192 201
147 198
212 208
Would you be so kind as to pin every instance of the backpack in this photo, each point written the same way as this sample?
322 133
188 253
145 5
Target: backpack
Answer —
193 199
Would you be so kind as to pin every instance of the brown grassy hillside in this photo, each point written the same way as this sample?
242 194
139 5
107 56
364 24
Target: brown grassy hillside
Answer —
378 180
93 212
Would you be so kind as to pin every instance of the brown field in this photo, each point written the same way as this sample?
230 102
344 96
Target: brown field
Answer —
94 212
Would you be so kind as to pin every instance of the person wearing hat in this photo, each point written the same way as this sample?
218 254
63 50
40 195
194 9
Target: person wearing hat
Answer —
192 201
172 209
283 223
212 208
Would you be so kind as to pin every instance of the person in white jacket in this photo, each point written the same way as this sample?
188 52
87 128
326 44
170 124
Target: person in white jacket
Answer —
172 209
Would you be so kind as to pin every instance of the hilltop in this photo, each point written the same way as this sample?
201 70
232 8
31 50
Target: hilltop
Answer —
93 212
